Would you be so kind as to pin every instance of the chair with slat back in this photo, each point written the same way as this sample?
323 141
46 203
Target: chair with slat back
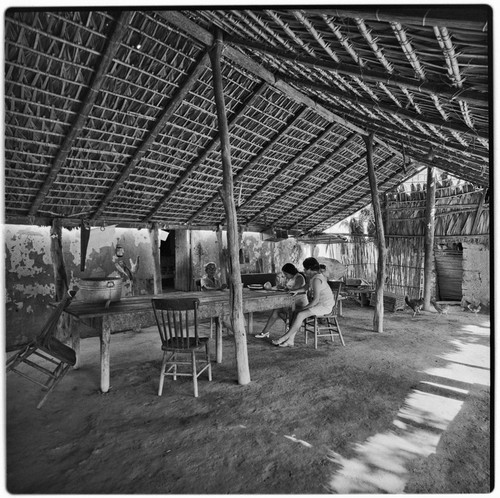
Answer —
45 360
326 325
177 321
336 286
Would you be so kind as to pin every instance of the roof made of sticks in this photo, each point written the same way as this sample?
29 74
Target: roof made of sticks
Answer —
110 115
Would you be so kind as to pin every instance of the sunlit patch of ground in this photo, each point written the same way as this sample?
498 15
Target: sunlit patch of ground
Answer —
381 463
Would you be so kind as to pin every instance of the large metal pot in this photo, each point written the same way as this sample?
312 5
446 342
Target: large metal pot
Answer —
100 290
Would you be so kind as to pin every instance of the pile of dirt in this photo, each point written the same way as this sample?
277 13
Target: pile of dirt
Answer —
407 410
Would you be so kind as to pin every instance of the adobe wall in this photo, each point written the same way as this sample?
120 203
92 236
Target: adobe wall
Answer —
476 273
29 276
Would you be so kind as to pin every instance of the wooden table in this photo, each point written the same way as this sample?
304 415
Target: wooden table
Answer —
213 304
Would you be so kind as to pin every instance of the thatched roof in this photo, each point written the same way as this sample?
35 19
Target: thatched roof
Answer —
110 114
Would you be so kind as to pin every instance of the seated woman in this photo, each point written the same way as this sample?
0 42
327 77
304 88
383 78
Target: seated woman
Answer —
321 301
210 281
295 282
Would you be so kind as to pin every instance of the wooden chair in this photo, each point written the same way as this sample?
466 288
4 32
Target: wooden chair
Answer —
326 325
177 321
45 360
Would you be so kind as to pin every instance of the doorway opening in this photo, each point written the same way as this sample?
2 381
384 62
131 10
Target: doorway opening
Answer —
167 262
449 269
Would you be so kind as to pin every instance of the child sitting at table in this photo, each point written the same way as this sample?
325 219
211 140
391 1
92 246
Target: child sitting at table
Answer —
210 281
295 282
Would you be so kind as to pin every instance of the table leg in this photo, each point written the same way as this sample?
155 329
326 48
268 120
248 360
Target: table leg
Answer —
105 343
218 339
75 341
250 323
75 344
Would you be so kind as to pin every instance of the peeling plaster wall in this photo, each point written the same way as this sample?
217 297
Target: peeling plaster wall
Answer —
100 258
29 281
476 273
29 276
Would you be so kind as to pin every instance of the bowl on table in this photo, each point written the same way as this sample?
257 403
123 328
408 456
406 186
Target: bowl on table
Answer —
255 286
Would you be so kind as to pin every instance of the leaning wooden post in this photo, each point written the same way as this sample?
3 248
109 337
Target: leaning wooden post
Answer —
430 214
61 283
227 195
378 318
155 246
56 253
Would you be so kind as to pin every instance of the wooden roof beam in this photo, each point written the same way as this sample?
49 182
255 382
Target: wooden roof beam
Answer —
167 113
468 18
121 27
180 21
369 104
253 161
394 132
442 91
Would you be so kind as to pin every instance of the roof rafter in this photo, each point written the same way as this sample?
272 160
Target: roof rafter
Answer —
327 183
112 47
308 175
213 144
465 17
296 159
182 22
287 126
372 76
167 113
369 103
345 191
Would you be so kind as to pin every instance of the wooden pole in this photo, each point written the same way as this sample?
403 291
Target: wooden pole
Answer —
378 318
430 214
155 247
227 195
60 277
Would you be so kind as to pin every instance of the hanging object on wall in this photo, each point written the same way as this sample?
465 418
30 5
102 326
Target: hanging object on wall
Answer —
119 251
84 242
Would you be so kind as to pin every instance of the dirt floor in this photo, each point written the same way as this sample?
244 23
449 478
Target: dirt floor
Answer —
407 411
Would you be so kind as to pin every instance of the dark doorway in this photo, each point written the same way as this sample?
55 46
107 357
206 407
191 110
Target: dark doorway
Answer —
449 272
167 261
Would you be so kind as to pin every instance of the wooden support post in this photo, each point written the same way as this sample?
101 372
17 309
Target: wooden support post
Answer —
430 214
60 277
227 195
155 248
64 328
378 318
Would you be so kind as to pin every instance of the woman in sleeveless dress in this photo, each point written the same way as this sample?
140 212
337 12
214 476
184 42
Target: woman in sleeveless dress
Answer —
321 301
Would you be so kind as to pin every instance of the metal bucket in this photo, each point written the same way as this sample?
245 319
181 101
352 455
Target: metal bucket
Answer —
100 290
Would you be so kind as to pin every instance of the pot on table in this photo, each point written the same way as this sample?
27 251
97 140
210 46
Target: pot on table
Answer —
100 289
